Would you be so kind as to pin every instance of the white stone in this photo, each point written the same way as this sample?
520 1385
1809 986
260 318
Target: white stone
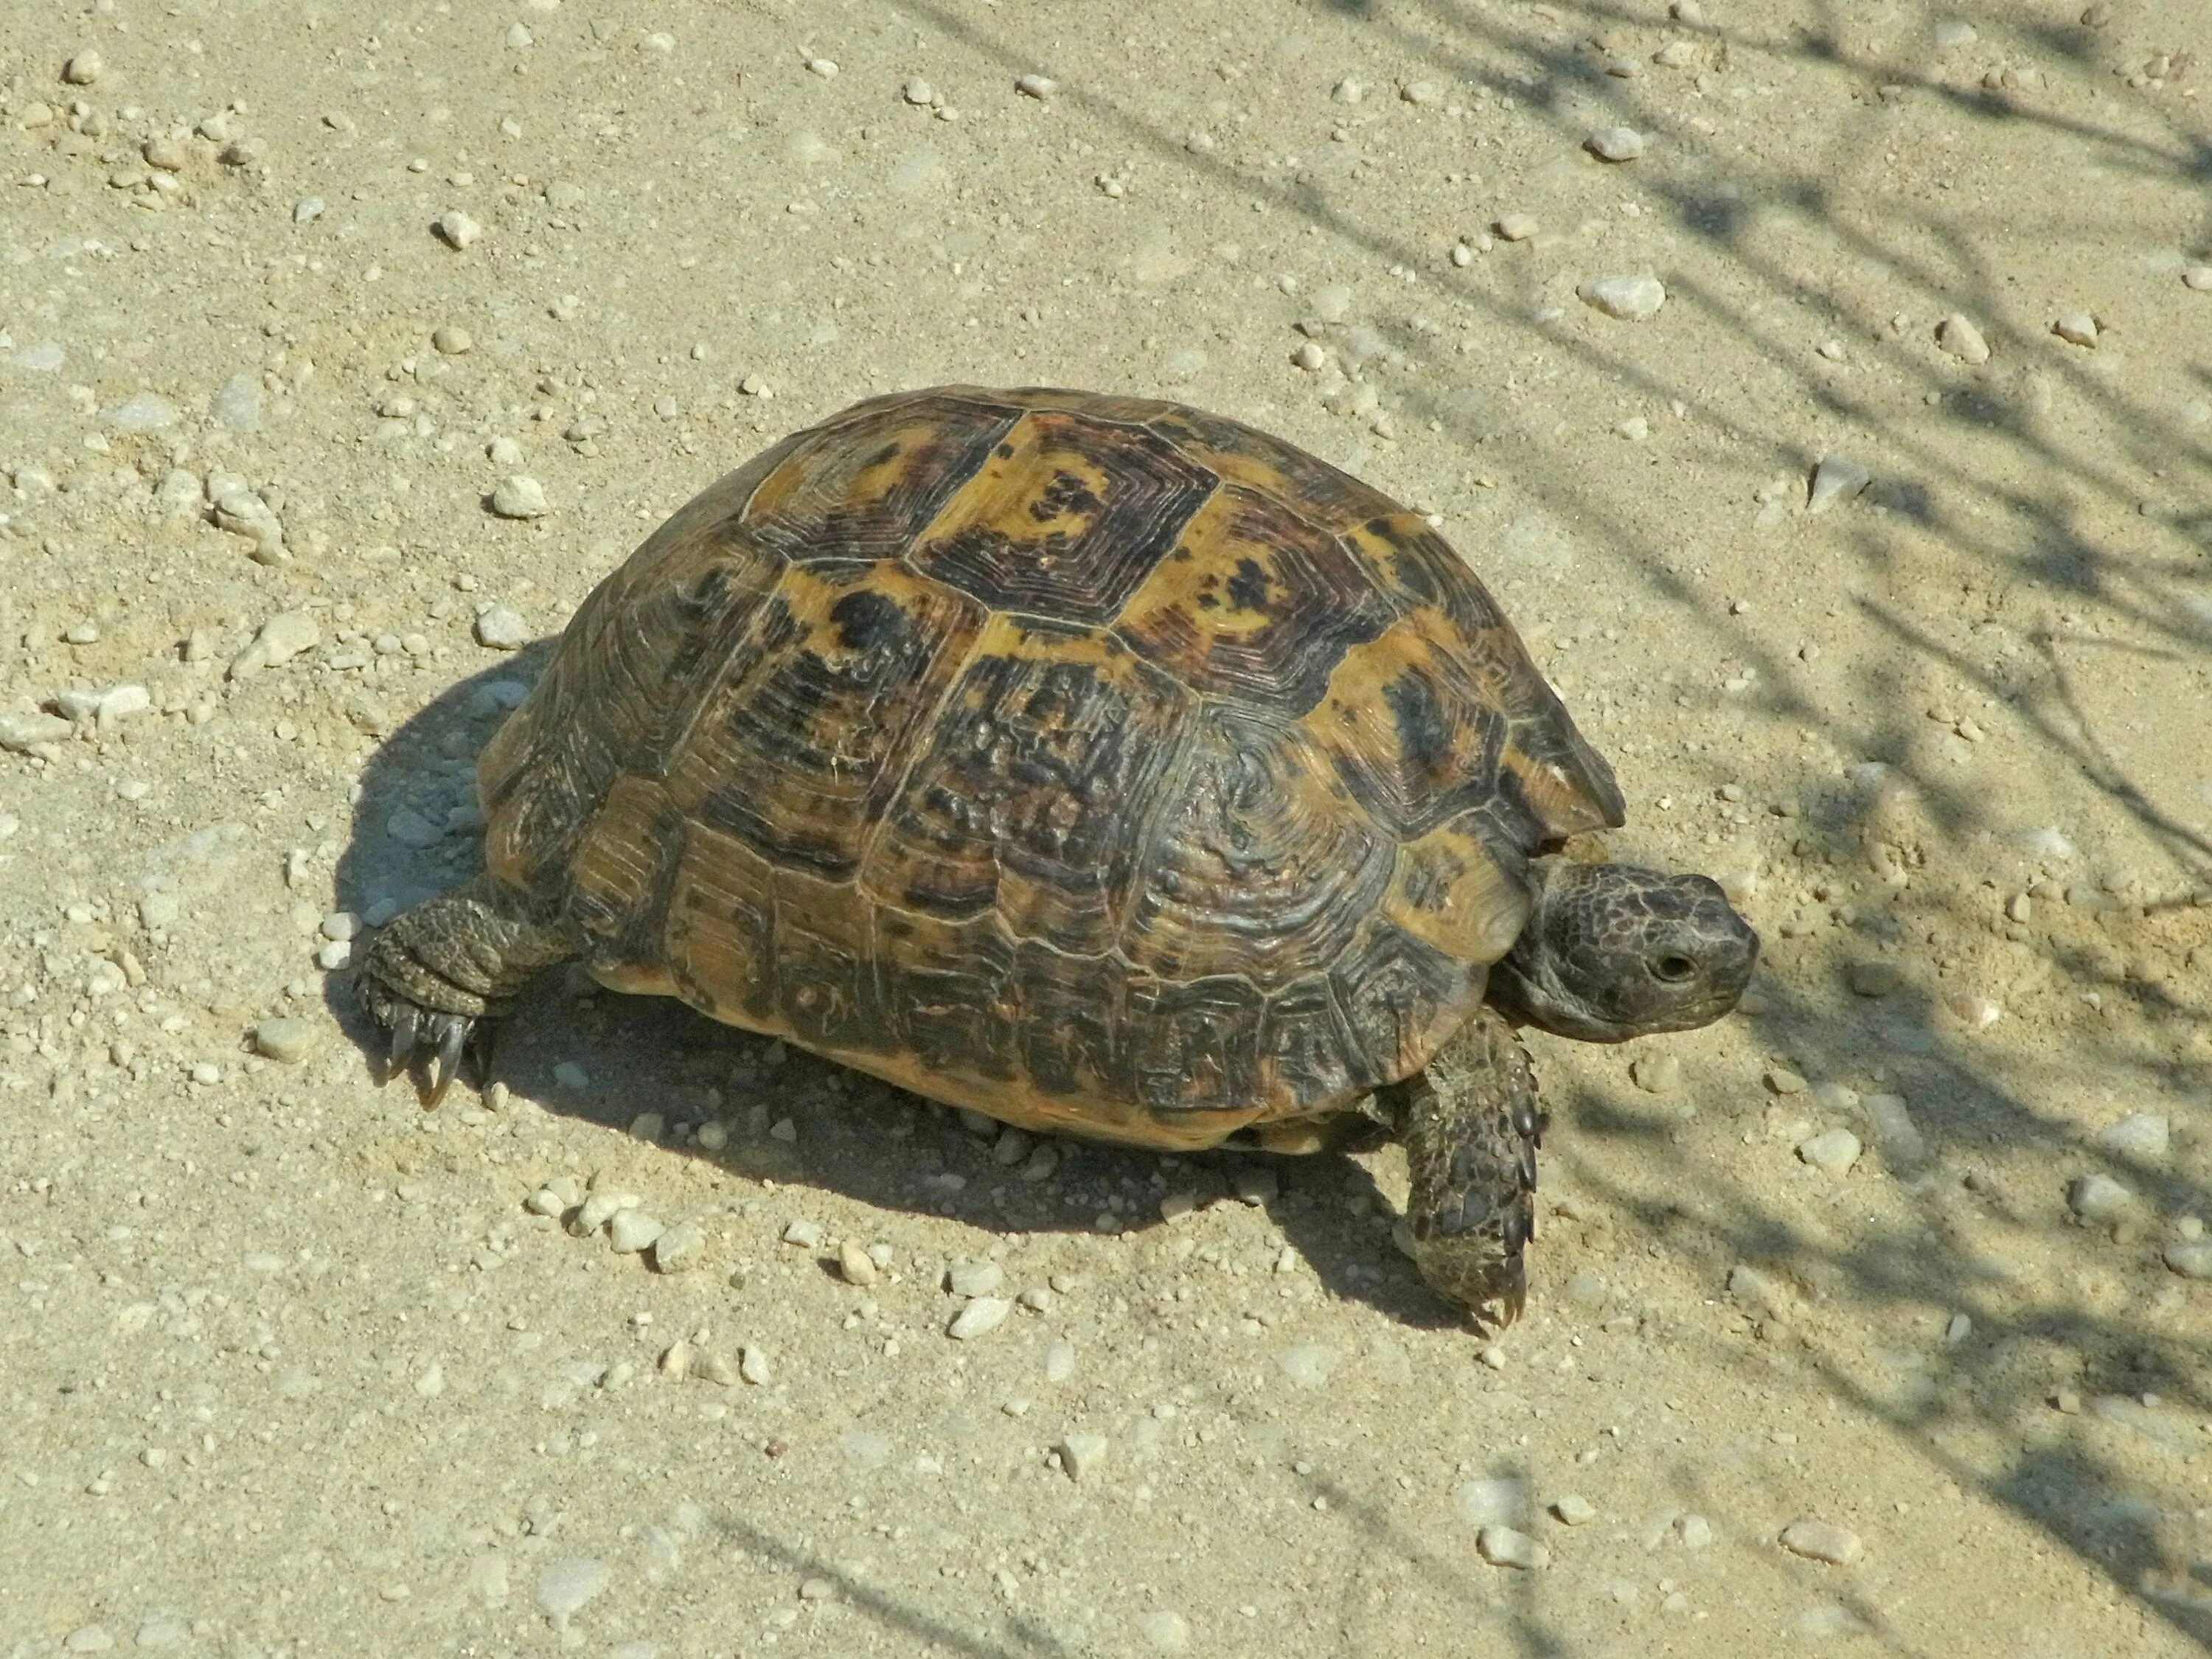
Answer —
2098 1198
237 404
1657 1074
2198 277
2191 1258
282 638
1501 1501
1632 298
1837 479
1509 1547
1081 1454
2077 328
2142 1135
567 1585
1821 1540
1835 1151
518 495
1957 335
974 1278
500 628
23 732
458 230
807 1235
1516 227
1574 1510
1037 86
979 1318
632 1230
1165 1629
918 92
1308 1365
143 411
857 1266
1615 144
286 1041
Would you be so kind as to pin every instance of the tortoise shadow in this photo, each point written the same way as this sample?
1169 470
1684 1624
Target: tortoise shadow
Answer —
573 1048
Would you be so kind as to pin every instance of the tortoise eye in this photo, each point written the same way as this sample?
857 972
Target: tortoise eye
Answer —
1673 970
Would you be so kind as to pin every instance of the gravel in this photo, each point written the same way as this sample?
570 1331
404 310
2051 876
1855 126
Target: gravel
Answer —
1081 1455
1834 1151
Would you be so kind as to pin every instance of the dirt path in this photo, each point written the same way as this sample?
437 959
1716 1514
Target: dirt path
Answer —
292 297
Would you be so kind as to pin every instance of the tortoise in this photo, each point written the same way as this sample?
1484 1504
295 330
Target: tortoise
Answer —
1105 766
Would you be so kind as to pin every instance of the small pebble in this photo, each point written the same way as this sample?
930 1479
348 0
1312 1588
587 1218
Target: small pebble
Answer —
2099 1198
979 1317
1957 335
1516 227
753 1366
1694 1530
2190 1258
1835 1151
519 496
918 92
1615 144
1037 86
566 1586
2077 328
1081 1454
458 230
974 1278
165 154
855 1264
1959 1328
1783 1081
500 628
1574 1510
1509 1547
84 68
288 1042
1059 1361
1166 1630
451 341
1821 1540
2198 277
546 1202
711 1137
1657 1074
1875 978
825 67
2141 1135
1632 299
807 1235
632 1230
1310 355
1837 479
1501 1502
308 209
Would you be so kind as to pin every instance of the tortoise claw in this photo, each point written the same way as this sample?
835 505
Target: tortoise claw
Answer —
452 1031
401 1052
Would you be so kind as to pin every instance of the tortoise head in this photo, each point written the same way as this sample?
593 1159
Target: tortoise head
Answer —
1612 952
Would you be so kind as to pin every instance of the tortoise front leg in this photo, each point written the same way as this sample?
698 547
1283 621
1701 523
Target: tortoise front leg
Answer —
439 973
1472 1163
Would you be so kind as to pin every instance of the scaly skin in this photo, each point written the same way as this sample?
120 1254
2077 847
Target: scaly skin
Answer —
439 974
1471 1159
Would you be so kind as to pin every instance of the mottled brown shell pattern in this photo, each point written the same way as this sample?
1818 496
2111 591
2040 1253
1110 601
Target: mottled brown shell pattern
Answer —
1102 764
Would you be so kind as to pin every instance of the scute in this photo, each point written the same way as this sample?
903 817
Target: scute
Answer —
1063 518
1097 762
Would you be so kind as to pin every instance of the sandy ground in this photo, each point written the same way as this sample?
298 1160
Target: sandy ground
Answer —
293 1368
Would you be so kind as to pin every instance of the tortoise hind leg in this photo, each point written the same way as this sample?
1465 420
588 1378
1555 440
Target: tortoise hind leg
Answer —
439 974
1472 1165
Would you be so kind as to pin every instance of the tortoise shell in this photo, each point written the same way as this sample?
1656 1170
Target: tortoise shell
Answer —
1104 765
